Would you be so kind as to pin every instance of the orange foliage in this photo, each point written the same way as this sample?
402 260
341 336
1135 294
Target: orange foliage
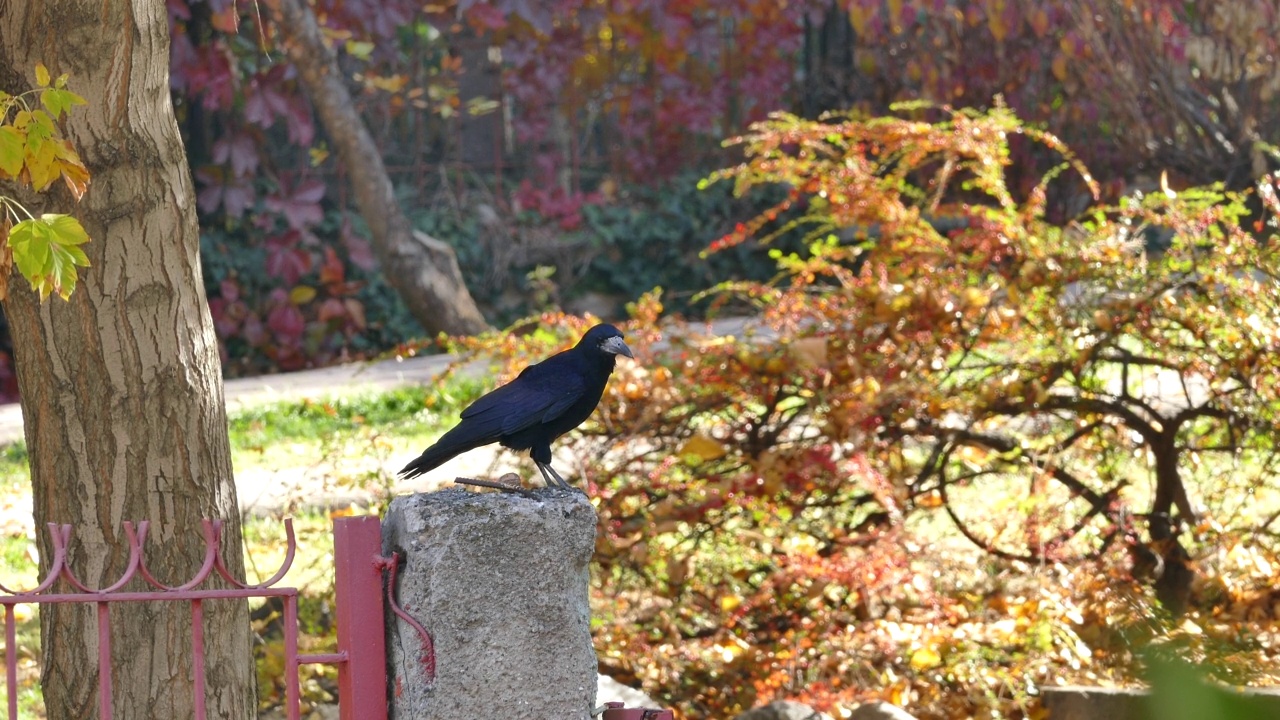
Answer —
1086 401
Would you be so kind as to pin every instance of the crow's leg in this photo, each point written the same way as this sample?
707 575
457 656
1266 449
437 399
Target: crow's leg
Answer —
546 479
552 477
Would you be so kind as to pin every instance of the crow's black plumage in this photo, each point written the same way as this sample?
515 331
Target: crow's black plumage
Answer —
544 402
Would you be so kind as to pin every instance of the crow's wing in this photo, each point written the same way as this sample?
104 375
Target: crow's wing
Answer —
540 394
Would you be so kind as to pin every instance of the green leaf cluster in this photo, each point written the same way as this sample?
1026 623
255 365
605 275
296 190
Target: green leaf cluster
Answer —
47 252
46 249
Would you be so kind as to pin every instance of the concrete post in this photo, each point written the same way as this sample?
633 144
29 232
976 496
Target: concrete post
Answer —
500 582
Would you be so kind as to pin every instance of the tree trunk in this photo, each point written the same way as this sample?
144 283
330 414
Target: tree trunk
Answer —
1177 574
433 290
121 385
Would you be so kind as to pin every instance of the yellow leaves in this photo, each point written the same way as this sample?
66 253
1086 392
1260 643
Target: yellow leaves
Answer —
302 294
867 389
996 21
31 148
392 83
1249 561
41 163
730 602
12 150
925 658
730 650
74 174
860 17
702 448
975 297
1190 627
359 49
802 545
1059 66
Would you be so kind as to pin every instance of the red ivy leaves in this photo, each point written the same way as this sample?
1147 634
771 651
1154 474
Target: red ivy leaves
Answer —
222 190
270 95
285 319
300 205
485 17
285 259
359 251
240 150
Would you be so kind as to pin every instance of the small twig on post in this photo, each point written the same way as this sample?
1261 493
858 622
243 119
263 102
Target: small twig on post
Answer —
497 486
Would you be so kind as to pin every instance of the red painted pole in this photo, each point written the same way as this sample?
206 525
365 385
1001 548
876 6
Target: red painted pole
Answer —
104 661
11 660
197 662
362 679
292 691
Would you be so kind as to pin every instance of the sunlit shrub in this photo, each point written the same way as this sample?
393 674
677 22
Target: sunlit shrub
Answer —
1094 413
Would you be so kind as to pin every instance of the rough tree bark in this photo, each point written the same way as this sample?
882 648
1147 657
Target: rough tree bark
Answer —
121 386
424 271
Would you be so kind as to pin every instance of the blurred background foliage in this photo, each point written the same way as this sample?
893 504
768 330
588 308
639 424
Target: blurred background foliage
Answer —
566 135
964 449
1002 421
998 421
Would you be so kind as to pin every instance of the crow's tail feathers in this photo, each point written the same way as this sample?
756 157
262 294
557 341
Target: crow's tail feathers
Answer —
426 462
460 439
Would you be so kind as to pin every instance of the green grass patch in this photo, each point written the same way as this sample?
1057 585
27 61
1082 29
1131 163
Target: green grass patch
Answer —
13 461
410 408
341 432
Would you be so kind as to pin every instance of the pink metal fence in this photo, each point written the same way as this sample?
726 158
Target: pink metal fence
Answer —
359 571
359 574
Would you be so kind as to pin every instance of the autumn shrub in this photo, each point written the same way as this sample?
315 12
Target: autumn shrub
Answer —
961 452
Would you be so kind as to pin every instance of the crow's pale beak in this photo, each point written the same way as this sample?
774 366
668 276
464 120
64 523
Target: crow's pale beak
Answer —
615 346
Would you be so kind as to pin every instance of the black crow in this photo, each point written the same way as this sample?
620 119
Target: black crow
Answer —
544 402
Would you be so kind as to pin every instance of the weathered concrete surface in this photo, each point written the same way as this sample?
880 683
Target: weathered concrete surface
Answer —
1095 703
880 711
500 581
783 710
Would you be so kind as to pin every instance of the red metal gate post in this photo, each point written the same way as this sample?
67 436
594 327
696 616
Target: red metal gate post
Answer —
362 678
